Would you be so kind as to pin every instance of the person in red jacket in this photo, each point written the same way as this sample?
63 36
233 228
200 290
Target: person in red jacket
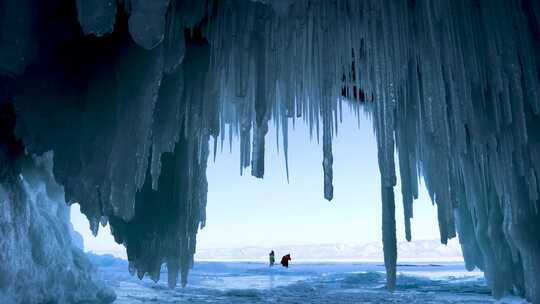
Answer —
285 260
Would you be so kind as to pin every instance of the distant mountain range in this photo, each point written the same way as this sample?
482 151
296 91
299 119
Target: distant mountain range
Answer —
415 251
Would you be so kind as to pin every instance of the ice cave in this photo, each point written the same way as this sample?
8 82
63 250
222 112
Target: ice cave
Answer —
113 105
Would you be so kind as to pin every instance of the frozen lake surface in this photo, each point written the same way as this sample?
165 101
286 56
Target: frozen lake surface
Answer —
252 282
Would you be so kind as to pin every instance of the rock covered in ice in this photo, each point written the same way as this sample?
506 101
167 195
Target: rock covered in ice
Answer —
97 16
18 26
147 22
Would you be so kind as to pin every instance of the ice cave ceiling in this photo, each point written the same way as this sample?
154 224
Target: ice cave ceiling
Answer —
127 95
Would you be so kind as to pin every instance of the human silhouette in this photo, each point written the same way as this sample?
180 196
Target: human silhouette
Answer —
285 260
272 258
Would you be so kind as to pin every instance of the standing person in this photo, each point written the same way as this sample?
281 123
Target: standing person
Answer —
272 258
285 260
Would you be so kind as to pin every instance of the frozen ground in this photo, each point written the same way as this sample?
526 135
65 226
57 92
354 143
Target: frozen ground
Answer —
215 282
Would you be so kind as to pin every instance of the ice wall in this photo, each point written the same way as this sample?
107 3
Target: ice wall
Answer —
127 94
39 263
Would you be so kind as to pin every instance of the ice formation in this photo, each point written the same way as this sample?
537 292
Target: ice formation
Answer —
39 263
128 93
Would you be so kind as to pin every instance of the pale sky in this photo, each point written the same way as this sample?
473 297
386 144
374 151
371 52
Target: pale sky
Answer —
245 211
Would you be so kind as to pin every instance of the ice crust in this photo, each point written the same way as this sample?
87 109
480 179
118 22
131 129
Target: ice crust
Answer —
452 85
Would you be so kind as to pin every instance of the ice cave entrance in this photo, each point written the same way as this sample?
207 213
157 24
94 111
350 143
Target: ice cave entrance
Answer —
244 211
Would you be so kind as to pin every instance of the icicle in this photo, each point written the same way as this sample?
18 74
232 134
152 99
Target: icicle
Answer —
147 22
97 17
389 236
285 132
261 104
327 159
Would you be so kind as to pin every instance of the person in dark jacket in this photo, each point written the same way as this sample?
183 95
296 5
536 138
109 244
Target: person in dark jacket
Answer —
285 260
272 258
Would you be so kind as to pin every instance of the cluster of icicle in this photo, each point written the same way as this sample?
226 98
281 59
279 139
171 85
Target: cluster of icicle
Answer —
122 110
453 85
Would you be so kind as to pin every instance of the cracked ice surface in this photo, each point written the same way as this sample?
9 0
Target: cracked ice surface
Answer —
452 85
